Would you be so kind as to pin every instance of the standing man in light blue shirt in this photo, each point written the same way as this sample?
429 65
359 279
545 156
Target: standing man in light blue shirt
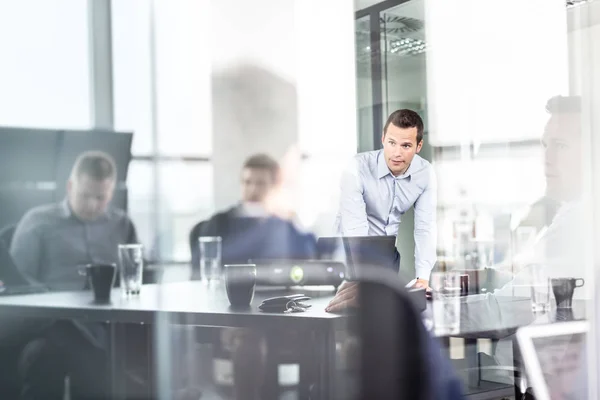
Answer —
380 186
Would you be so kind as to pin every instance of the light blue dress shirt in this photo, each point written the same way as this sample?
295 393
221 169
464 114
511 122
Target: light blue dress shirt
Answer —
372 202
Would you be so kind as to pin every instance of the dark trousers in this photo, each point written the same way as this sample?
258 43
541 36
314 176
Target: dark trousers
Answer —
61 350
396 261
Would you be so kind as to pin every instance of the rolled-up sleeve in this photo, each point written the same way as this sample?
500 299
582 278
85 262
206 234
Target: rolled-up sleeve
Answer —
352 211
425 230
26 247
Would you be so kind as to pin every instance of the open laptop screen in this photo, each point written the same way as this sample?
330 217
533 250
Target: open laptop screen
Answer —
555 358
358 252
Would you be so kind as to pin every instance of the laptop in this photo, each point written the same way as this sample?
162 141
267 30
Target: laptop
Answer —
555 359
359 252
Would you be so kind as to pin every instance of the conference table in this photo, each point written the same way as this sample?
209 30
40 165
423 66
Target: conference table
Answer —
193 303
497 318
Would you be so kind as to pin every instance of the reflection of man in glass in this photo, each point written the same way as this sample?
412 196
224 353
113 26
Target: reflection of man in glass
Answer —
561 247
562 149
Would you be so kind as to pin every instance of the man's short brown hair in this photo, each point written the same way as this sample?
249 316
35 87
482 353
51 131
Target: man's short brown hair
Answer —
564 105
405 119
95 164
263 161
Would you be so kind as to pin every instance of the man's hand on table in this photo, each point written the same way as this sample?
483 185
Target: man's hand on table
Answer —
421 283
347 296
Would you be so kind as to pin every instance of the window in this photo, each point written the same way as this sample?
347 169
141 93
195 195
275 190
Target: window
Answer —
45 68
175 155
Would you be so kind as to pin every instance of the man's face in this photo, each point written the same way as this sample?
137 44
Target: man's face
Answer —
562 156
256 184
399 148
89 197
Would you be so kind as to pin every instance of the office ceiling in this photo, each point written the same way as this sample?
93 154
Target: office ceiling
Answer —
402 32
360 4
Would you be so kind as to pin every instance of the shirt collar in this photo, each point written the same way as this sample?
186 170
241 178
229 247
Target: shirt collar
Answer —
383 170
66 209
67 212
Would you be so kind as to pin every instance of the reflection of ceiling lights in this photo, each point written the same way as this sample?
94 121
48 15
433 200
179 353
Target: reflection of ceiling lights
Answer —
573 3
407 46
394 24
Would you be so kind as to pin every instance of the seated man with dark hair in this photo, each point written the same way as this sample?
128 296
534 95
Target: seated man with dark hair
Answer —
248 230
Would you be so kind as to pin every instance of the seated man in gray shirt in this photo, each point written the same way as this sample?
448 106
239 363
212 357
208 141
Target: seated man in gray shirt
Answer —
51 241
48 246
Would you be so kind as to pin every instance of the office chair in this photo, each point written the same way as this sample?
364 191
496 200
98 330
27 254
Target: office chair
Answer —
392 342
6 234
398 357
10 347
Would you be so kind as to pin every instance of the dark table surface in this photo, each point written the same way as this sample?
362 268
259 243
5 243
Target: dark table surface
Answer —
494 317
185 303
193 303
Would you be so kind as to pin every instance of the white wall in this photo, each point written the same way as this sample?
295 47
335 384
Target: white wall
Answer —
489 76
253 86
584 64
284 85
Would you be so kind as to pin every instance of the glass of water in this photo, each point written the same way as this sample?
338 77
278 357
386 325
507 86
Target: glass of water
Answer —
131 266
210 257
540 288
446 302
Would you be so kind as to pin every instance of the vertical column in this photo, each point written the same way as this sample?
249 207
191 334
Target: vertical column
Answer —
101 79
254 98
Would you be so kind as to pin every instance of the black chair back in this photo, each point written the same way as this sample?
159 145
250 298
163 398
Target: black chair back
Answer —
9 273
393 344
6 235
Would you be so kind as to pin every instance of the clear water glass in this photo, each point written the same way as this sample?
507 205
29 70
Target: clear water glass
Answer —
131 267
446 302
210 258
541 293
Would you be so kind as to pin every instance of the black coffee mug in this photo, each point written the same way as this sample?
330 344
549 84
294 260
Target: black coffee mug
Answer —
102 279
563 289
464 284
240 281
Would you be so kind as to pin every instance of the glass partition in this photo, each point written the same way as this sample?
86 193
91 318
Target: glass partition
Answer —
494 109
385 199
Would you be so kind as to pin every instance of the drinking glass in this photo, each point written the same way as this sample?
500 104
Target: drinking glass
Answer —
210 257
446 290
131 266
540 288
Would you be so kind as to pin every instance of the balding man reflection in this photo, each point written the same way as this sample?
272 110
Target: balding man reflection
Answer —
562 246
52 240
49 244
